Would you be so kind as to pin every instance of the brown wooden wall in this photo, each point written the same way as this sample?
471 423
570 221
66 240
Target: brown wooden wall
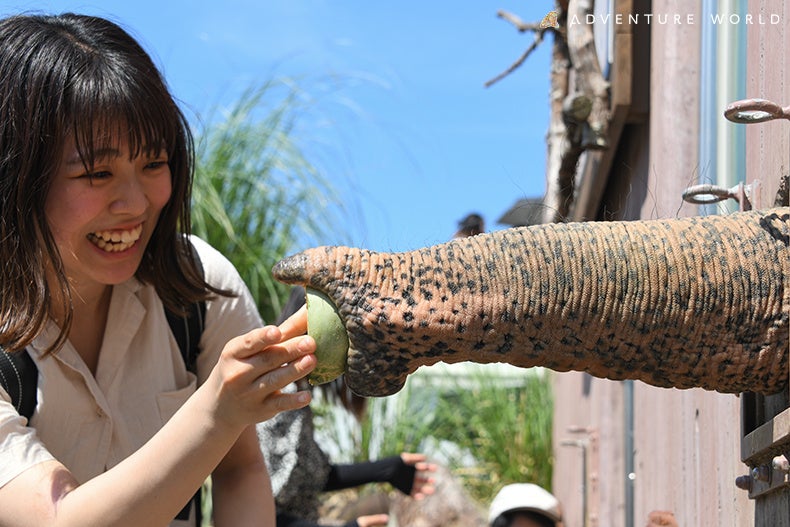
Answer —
687 443
768 161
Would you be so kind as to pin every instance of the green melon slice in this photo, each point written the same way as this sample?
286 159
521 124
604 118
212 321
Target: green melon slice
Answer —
326 327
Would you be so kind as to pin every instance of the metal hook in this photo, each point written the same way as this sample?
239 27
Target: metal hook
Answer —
708 194
749 111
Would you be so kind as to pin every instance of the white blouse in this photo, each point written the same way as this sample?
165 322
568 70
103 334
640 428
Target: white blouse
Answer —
90 423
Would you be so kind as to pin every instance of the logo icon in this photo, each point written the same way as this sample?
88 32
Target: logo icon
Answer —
550 20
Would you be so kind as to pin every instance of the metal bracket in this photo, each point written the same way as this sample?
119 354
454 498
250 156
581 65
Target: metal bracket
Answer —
766 450
590 476
766 478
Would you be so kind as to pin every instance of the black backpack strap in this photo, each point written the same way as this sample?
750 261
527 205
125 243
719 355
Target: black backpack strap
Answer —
196 500
19 377
186 330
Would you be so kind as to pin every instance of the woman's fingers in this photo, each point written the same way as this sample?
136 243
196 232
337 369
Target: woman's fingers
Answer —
423 484
425 467
278 377
253 342
255 367
295 325
267 388
411 458
423 487
271 338
283 402
419 461
262 358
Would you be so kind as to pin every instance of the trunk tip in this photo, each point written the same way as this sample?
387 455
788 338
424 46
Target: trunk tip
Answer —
291 269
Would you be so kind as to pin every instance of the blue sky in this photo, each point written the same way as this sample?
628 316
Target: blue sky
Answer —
408 133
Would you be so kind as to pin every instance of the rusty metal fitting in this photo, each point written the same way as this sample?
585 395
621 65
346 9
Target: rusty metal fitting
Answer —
707 194
762 473
744 482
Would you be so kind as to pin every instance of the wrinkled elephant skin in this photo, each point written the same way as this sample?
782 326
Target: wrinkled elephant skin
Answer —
691 302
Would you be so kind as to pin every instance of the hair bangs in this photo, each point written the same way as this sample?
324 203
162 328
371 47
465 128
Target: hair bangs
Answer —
107 107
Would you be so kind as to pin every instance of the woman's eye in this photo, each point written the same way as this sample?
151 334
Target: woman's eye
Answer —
156 164
92 176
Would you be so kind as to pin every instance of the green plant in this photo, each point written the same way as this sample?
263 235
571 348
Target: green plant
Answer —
488 430
256 196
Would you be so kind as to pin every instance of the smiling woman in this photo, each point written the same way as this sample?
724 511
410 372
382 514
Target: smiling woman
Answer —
96 170
119 93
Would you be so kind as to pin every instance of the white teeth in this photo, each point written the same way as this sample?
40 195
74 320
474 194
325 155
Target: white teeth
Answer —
116 241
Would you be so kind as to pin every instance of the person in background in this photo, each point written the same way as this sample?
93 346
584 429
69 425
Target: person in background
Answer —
96 165
301 471
524 505
471 225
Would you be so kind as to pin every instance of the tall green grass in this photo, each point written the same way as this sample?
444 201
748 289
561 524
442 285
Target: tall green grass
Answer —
256 196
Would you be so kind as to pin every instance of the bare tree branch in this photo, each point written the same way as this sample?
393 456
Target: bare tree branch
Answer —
521 26
538 28
579 98
513 67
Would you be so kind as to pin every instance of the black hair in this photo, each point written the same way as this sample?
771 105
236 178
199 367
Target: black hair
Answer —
81 78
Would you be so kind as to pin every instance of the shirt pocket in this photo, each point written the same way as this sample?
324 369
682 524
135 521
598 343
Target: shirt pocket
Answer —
170 402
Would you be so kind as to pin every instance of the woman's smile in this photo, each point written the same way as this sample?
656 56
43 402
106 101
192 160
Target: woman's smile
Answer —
116 240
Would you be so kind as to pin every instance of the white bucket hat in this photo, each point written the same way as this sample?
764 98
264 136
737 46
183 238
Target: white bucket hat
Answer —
524 497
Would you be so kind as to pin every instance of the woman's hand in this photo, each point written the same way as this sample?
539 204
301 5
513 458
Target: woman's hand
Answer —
253 368
423 484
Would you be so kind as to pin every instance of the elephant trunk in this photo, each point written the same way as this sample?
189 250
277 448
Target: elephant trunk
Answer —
693 302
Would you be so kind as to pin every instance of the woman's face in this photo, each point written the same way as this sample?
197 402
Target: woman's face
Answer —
102 218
